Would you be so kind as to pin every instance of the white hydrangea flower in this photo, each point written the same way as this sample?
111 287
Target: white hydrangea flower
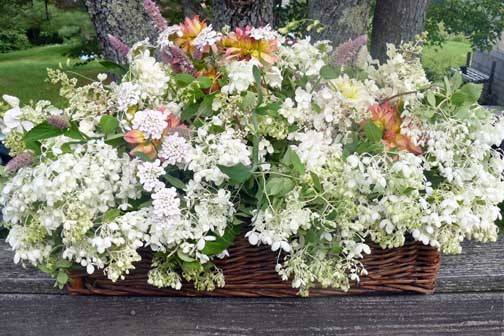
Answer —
128 95
273 77
175 150
151 122
240 76
70 193
149 173
166 203
149 74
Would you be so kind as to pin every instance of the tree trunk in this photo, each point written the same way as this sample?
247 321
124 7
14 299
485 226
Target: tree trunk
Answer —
342 19
239 13
124 19
46 5
192 8
396 21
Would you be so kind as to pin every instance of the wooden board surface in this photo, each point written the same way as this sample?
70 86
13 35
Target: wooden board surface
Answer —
469 301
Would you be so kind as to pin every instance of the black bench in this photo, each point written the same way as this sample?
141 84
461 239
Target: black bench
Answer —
471 75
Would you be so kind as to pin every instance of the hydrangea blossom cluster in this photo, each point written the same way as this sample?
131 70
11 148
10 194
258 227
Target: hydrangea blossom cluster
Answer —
67 201
209 132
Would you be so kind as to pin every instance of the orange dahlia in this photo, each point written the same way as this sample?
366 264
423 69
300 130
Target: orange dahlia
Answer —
239 45
190 29
387 117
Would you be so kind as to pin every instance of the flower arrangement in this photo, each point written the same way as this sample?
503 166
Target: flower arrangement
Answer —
212 131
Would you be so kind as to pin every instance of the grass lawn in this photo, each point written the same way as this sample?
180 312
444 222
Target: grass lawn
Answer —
437 61
23 73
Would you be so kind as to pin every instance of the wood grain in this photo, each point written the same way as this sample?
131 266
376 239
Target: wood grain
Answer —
470 301
479 268
442 314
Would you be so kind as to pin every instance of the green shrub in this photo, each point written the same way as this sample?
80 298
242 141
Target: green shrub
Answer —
13 39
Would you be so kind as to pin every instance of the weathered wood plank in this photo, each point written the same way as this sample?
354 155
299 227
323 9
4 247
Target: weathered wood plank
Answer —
442 314
479 268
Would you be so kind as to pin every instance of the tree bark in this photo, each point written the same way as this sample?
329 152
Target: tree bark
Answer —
396 21
240 13
124 19
342 19
192 8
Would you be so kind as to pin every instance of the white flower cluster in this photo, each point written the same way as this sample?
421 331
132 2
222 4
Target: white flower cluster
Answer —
151 122
304 57
401 73
66 199
175 150
211 150
240 76
149 74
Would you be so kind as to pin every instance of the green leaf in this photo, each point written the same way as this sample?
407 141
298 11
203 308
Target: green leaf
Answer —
269 109
110 215
316 182
184 257
204 82
189 111
291 158
316 108
257 75
249 101
205 108
312 237
175 182
42 131
467 95
279 186
457 80
142 156
62 278
63 263
73 132
431 99
237 174
336 248
448 87
115 140
221 243
34 146
108 124
193 266
369 147
373 132
329 72
183 79
114 67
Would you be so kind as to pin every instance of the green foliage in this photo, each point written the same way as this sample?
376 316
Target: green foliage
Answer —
12 30
482 21
221 243
237 174
108 124
25 22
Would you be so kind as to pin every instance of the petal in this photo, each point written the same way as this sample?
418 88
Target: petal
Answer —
11 100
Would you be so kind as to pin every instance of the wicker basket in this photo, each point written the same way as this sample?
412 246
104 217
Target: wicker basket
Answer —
250 272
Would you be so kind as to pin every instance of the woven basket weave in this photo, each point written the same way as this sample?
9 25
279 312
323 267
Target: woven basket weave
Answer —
250 272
